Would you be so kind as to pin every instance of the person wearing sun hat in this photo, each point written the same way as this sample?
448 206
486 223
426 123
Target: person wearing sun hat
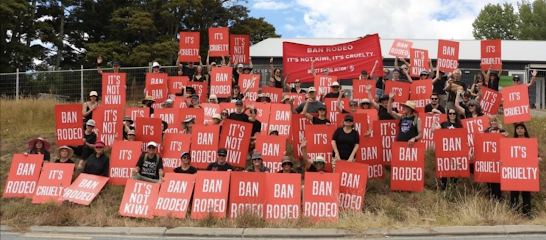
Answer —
64 153
263 98
216 119
257 164
90 106
147 102
187 125
185 167
98 163
286 165
39 146
409 127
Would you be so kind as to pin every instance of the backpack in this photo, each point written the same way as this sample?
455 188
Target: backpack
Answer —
156 159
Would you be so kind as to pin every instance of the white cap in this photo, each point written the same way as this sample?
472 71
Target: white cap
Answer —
334 84
156 64
152 143
213 63
93 93
90 122
240 66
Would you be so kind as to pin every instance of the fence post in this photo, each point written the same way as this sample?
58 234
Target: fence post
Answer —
17 85
81 84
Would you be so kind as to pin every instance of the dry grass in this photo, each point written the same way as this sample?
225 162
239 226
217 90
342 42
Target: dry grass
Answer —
467 205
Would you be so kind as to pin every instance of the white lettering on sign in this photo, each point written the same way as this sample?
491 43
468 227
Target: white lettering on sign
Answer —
283 191
520 173
407 173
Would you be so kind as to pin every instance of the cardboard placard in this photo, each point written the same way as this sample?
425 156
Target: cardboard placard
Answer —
428 135
139 199
387 131
299 123
263 111
172 117
352 186
156 86
175 84
272 149
239 49
210 194
473 126
408 167
84 189
218 41
204 145
188 46
487 155
319 143
123 159
247 194
138 112
197 113
175 194
245 81
448 55
420 94
68 124
452 159
235 138
201 89
359 89
298 97
360 123
221 81
174 145
401 90
400 48
23 176
108 123
490 54
490 101
283 194
113 89
320 196
370 153
332 112
323 83
54 179
274 93
418 61
280 119
209 109
519 168
515 105
148 130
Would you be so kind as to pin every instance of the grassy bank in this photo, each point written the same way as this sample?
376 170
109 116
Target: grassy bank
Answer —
466 205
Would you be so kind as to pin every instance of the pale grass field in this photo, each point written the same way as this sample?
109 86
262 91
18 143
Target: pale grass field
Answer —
467 205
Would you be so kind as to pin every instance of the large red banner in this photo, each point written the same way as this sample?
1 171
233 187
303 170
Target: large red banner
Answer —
239 48
344 60
113 89
490 54
188 47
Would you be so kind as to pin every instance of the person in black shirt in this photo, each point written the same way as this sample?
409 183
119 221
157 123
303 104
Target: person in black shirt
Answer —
321 119
438 85
185 167
453 121
454 85
64 153
276 76
286 165
240 115
149 167
127 126
380 84
334 93
434 106
89 139
345 141
147 102
353 104
98 163
41 147
257 164
473 108
382 113
316 166
409 125
297 87
221 164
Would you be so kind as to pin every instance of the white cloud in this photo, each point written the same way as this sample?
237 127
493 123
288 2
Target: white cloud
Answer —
409 19
289 27
270 5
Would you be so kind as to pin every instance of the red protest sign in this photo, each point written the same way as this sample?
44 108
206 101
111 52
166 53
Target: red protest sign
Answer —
235 138
371 154
124 158
156 86
53 181
371 114
359 89
139 112
197 113
210 194
109 122
175 84
319 143
299 123
247 194
23 176
239 49
519 169
188 47
201 89
272 149
487 155
68 124
245 81
275 94
175 194
113 89
320 196
280 119
352 186
148 130
490 101
448 55
490 54
400 48
218 42
360 123
323 83
297 97
283 193
473 126
418 61
209 109
387 131
204 145
172 117
515 105
332 112
426 123
451 153
401 92
408 167
420 94
139 199
263 111
221 81
84 189
174 145
363 54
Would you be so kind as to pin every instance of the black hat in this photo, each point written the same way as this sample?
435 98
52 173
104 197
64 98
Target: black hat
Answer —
222 152
384 97
348 118
115 63
239 103
364 72
322 107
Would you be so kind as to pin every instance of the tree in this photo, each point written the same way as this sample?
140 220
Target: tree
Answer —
532 19
257 28
496 21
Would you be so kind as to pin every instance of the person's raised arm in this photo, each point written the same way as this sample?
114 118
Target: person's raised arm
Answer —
250 85
533 78
252 111
372 99
306 160
395 62
313 68
436 122
472 90
99 61
207 62
389 107
250 65
450 80
373 69
305 113
404 61
272 68
200 62
338 102
285 80
460 109
437 76
430 68
223 64
406 72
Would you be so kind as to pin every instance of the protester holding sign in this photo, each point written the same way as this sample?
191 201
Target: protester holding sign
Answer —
257 164
115 66
495 127
517 81
314 105
185 167
335 91
453 121
492 78
403 72
127 126
149 167
297 87
131 136
147 102
316 166
478 83
410 125
90 105
454 84
276 76
474 108
438 83
39 146
221 164
89 139
286 165
434 106
380 84
194 101
345 141
382 112
64 153
98 163
236 92
321 119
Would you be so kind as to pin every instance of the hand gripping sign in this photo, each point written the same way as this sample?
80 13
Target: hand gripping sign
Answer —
139 199
54 179
211 194
175 195
408 167
23 176
247 194
84 189
320 196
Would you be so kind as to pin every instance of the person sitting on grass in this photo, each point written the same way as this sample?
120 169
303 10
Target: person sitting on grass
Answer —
39 146
286 165
89 139
186 167
98 163
221 164
316 166
64 153
257 164
149 167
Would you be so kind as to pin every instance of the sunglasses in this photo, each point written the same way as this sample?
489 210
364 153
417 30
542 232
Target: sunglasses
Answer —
452 113
185 157
516 80
471 105
348 120
434 99
151 147
297 82
259 159
271 81
335 86
225 114
99 147
353 105
322 109
222 155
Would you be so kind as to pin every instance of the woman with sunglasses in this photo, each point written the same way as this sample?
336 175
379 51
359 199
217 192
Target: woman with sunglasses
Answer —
517 81
345 141
491 79
257 164
286 165
98 163
236 91
276 79
321 119
453 121
478 83
297 87
474 109
185 167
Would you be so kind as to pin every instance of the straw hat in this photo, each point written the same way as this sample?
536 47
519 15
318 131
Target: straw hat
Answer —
186 121
409 104
285 98
58 151
148 98
217 116
32 143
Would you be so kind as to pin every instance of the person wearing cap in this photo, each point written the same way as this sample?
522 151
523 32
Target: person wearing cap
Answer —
156 67
364 74
39 146
491 79
276 79
517 81
313 105
167 103
240 115
320 119
149 167
262 97
217 119
221 164
115 66
453 85
296 88
89 139
131 136
274 132
64 153
424 75
187 125
98 163
127 126
194 101
185 167
236 93
439 81
317 165
403 72
147 102
345 141
213 99
335 91
90 106
409 127
257 164
286 165
287 100
434 106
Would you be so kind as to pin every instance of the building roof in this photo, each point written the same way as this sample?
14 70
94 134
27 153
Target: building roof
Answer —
511 50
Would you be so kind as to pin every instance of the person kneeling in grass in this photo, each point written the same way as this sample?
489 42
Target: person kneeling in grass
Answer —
149 167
